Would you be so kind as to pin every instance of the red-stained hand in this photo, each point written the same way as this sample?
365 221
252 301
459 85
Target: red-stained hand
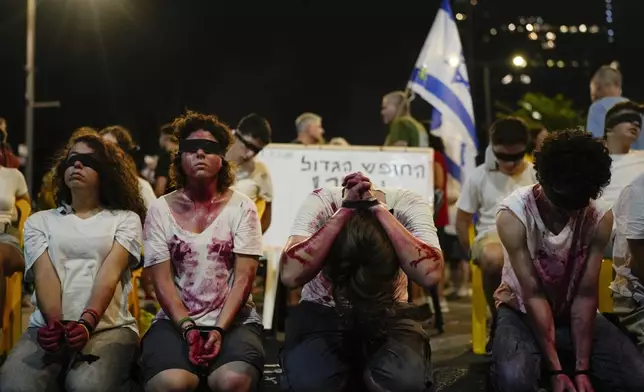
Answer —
51 336
562 383
212 347
77 335
195 347
356 187
583 384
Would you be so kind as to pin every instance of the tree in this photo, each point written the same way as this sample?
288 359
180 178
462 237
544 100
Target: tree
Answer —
539 110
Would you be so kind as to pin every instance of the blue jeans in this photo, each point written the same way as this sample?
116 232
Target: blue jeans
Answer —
321 354
615 364
29 368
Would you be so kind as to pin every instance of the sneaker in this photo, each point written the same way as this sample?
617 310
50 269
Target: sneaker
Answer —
463 292
444 306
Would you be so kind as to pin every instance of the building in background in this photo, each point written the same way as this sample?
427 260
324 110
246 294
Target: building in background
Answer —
520 47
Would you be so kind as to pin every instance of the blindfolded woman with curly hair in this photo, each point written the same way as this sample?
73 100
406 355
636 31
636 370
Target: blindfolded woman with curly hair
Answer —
81 254
202 244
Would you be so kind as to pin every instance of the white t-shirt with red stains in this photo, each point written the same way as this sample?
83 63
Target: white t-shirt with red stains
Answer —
409 208
203 263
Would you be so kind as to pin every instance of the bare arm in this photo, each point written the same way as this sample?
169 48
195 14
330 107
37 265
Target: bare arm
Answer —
24 197
422 262
267 216
513 236
439 176
160 186
106 280
584 306
48 290
303 258
245 270
463 223
167 295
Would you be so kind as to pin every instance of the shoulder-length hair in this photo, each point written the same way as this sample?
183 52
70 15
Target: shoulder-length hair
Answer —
118 180
192 122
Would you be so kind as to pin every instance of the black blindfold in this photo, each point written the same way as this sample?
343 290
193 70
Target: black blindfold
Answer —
501 156
87 160
619 118
206 145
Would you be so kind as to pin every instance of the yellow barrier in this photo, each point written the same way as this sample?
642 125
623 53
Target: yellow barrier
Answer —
133 297
479 311
605 304
12 317
479 305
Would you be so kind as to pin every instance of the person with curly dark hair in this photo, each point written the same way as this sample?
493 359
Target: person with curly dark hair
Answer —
202 247
554 234
81 253
342 257
122 137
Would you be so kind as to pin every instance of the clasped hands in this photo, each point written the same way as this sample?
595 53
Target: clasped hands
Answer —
75 334
357 187
202 352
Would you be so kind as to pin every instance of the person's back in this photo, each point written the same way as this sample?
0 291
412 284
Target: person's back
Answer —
406 129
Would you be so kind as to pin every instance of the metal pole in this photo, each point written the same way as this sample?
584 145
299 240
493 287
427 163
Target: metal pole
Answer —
488 95
30 90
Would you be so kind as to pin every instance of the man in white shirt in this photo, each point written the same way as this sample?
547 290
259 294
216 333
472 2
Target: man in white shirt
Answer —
628 259
252 177
504 171
623 128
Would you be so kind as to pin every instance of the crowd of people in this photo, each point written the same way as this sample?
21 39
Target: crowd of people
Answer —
546 207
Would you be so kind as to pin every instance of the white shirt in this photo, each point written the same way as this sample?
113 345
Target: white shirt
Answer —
12 185
147 193
629 225
203 263
484 190
559 260
77 248
624 169
409 208
255 183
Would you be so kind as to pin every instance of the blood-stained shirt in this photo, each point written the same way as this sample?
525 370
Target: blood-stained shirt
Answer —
409 208
203 263
559 259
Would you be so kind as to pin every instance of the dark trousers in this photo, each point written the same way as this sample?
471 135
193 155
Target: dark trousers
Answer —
321 354
615 364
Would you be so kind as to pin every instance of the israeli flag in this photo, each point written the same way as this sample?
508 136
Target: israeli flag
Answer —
440 78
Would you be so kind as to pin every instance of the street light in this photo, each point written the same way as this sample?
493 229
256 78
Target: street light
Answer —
519 61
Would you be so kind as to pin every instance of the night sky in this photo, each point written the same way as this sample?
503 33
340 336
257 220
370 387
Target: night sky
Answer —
141 63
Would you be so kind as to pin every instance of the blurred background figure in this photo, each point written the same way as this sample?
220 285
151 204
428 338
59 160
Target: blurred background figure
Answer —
122 137
168 143
404 130
7 158
309 129
338 141
537 135
252 177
